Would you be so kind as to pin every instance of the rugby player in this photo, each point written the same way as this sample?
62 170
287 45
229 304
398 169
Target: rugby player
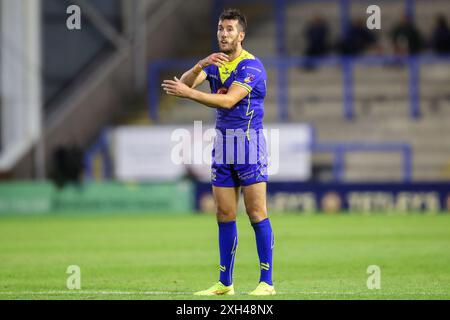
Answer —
238 87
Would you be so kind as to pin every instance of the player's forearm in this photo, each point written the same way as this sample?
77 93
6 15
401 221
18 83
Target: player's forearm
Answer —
190 76
212 100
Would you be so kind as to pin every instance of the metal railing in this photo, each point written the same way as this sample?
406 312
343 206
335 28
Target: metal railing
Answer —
341 149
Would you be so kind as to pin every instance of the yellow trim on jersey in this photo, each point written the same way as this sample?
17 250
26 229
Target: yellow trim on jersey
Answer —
230 66
247 113
244 85
204 72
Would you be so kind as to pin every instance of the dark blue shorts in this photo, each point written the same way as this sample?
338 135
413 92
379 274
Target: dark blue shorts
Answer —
239 159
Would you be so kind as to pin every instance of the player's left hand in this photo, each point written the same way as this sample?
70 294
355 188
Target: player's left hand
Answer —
176 88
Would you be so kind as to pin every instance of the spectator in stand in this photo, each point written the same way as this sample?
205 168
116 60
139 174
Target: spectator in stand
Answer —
440 38
358 39
406 38
316 35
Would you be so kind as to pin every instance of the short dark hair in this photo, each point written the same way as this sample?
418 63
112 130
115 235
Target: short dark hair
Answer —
234 14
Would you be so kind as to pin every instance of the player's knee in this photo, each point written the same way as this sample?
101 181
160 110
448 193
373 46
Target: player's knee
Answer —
257 213
225 214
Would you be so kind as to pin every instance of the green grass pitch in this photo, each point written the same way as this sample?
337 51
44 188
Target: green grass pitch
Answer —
170 256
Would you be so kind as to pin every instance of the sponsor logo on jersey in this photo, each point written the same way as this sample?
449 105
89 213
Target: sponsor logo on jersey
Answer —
250 77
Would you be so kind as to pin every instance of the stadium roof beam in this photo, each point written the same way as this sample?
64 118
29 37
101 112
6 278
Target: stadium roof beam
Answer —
103 25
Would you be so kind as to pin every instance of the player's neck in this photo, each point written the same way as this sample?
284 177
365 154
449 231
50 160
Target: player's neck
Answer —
236 53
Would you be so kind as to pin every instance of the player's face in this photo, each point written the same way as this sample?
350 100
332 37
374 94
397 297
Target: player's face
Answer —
229 35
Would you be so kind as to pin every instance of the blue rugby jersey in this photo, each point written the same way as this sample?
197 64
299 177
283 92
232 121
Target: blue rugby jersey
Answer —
248 72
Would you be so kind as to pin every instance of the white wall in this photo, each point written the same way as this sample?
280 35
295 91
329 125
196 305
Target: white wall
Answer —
20 78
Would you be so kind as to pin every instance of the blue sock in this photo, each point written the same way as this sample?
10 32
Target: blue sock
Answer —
227 245
264 244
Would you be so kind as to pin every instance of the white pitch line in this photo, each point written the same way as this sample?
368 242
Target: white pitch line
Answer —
368 293
80 292
151 293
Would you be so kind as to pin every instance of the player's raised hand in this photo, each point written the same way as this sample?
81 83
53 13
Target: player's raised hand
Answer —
176 88
218 59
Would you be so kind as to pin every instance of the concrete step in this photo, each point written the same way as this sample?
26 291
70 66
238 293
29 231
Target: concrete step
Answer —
305 10
391 173
260 47
373 108
430 174
373 175
391 127
386 159
382 73
391 123
427 142
390 9
324 92
185 111
332 75
301 113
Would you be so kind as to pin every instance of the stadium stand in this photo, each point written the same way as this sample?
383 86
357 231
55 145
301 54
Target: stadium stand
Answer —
381 92
103 90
